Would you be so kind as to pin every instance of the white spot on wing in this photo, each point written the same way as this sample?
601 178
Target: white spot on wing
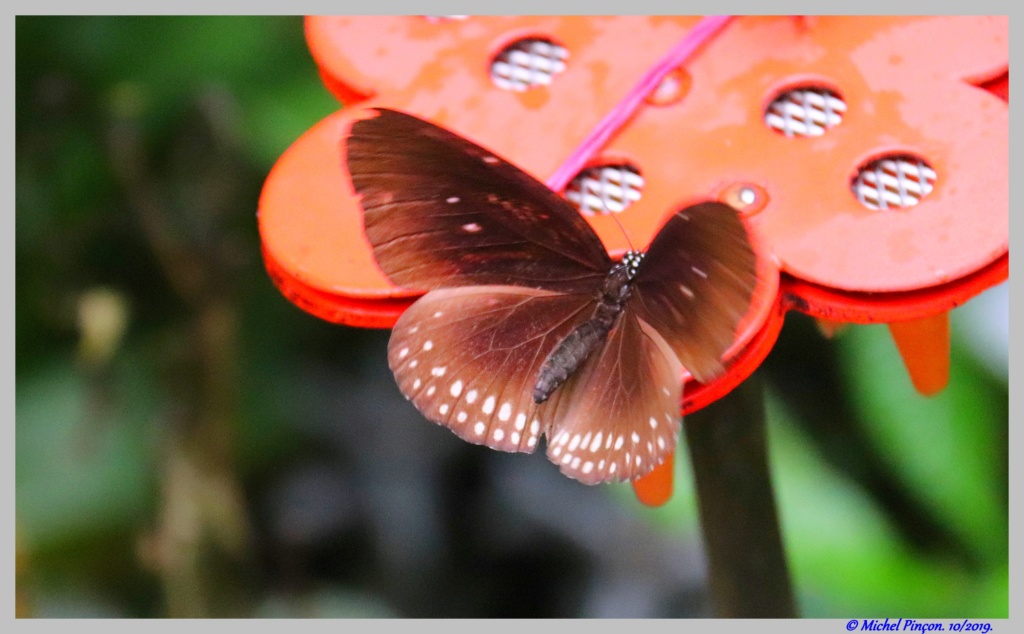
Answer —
428 344
588 467
653 422
438 371
575 443
472 227
452 200
479 428
431 390
618 442
471 396
461 417
456 389
402 353
444 408
594 446
505 412
488 405
520 421
499 433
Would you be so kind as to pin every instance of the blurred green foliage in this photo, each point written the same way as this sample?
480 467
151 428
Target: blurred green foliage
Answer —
229 455
847 555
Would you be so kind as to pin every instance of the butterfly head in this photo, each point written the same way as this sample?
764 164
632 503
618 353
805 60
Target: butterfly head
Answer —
632 261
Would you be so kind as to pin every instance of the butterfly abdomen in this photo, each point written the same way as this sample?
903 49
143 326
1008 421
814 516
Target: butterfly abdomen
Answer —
567 356
582 341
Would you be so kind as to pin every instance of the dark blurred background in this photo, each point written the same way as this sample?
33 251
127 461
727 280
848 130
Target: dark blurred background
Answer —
189 443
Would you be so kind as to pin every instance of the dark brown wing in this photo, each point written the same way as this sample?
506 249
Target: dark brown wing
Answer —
441 211
618 416
468 358
695 283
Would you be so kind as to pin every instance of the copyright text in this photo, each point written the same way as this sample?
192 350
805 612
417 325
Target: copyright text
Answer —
914 625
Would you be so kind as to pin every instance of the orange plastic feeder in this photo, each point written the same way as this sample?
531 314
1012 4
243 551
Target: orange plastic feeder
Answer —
868 154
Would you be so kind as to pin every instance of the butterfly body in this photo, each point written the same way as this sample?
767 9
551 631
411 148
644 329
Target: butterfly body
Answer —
528 329
579 344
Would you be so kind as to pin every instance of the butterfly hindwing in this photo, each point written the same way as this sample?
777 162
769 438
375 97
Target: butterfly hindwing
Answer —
468 357
618 416
442 211
695 283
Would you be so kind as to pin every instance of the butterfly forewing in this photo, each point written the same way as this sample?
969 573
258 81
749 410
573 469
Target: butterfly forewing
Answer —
442 211
695 283
468 358
618 417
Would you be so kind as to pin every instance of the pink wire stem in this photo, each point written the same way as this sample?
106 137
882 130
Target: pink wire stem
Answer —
622 111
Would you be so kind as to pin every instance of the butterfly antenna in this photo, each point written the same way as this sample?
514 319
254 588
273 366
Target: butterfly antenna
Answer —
623 230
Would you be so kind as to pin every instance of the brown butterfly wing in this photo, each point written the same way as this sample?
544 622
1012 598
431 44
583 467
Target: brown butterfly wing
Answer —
442 211
618 417
468 357
695 284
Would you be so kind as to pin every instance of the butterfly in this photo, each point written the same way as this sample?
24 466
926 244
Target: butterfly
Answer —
528 327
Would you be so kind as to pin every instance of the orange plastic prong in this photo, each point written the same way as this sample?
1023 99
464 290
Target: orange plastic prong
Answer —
924 346
655 488
829 328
